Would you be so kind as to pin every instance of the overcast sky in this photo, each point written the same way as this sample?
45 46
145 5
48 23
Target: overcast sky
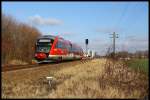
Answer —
76 21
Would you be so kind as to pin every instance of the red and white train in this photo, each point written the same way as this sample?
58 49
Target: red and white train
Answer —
54 48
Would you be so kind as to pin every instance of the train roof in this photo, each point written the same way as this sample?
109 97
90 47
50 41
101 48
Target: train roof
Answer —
53 37
47 37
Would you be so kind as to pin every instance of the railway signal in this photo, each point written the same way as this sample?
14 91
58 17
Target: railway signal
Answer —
86 43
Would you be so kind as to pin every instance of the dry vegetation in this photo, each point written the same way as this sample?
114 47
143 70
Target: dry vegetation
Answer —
98 78
17 40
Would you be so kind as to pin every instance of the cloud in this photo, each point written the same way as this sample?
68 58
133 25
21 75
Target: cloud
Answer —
38 20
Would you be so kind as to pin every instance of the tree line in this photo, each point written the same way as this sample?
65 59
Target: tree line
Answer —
18 40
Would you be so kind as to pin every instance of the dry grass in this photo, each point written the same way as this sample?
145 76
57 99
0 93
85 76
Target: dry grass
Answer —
94 79
17 62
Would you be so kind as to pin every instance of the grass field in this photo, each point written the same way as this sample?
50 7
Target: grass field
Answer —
139 64
97 78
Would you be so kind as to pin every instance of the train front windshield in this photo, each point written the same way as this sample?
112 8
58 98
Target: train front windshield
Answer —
44 45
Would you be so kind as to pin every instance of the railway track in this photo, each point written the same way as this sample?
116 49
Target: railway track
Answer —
19 67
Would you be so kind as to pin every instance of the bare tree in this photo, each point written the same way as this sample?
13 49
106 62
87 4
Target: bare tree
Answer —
17 40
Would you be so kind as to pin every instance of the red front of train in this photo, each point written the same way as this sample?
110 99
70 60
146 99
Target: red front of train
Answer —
54 48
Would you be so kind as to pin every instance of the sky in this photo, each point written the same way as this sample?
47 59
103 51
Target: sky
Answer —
96 21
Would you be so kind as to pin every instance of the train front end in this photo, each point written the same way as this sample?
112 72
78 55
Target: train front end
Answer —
42 49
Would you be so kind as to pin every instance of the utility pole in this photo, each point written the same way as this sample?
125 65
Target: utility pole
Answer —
114 37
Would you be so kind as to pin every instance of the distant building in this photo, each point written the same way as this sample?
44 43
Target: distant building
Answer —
91 53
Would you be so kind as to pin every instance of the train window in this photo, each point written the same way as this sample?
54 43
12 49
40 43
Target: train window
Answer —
64 45
44 45
59 44
70 47
74 49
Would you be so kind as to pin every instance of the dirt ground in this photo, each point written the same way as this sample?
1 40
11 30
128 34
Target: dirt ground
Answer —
95 78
